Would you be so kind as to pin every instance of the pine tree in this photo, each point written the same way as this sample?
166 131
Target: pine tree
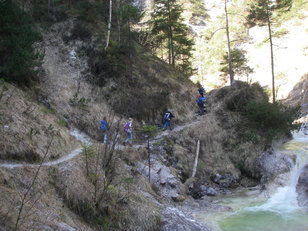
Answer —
239 64
261 12
171 34
17 35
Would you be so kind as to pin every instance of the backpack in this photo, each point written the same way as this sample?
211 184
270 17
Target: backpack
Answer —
126 127
103 125
166 116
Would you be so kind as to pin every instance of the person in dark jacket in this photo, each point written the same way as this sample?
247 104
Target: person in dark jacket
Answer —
167 119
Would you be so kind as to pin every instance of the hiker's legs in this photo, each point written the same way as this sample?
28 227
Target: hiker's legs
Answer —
170 125
165 124
105 137
129 138
201 109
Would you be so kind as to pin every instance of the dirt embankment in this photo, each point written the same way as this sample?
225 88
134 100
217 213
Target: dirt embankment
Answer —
28 127
231 155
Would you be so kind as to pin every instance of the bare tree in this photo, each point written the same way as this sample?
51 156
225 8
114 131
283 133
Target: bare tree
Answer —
261 12
229 46
109 24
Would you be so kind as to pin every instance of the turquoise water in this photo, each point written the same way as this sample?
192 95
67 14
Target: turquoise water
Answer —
252 210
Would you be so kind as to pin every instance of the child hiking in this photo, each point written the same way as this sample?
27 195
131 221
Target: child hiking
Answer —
167 119
128 128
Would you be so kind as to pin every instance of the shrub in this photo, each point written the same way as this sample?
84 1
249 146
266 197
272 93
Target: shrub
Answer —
260 118
271 119
245 94
17 35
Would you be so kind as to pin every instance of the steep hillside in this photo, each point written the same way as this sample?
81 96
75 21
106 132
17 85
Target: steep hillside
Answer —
299 95
28 127
84 88
67 179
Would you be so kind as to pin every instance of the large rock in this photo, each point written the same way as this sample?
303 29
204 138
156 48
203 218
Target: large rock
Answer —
302 187
173 219
273 163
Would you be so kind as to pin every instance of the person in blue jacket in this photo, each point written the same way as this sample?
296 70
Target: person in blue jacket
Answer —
104 128
200 102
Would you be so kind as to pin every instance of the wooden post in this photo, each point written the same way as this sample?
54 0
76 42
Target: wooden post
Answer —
196 159
149 156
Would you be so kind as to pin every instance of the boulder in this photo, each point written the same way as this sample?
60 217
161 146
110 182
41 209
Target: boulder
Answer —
273 163
302 187
175 219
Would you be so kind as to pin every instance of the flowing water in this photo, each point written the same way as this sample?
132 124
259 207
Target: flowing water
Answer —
254 211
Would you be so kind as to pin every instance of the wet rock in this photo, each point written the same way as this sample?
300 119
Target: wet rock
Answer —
302 187
173 219
272 163
225 181
200 191
211 192
203 188
217 178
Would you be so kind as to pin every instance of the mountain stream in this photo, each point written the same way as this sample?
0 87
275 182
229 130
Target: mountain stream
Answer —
253 210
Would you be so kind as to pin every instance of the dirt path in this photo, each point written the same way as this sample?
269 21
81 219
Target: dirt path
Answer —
77 134
84 139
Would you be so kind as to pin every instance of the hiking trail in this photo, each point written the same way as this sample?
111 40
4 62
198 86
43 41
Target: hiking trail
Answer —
85 140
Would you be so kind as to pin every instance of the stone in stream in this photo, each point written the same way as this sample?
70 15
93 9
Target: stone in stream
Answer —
302 187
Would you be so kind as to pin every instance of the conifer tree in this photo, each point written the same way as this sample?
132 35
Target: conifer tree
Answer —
171 34
17 36
261 12
239 64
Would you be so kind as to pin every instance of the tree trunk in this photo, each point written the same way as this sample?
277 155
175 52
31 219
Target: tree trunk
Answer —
170 45
229 47
109 25
272 52
149 156
119 21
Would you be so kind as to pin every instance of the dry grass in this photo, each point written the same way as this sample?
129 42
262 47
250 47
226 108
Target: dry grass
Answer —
223 148
26 127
